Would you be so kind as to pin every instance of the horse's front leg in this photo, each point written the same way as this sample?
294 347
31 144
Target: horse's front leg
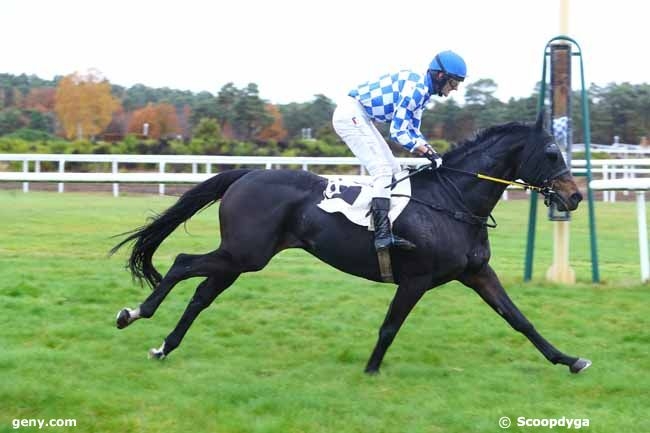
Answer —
487 285
408 294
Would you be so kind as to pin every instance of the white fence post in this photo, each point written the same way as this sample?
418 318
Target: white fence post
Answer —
643 235
25 170
61 170
116 186
605 178
161 187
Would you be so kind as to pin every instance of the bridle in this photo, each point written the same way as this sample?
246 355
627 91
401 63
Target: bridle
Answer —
540 183
545 187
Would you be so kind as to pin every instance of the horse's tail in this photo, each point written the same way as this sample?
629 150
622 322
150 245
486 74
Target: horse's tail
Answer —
149 237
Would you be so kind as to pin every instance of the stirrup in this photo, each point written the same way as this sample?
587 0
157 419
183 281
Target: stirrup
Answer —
385 268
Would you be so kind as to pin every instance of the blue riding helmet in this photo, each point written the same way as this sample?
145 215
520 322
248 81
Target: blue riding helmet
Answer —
451 64
452 67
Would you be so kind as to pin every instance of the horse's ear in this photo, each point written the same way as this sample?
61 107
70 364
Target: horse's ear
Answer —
539 123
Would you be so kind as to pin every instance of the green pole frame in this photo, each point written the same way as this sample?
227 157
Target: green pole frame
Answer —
532 217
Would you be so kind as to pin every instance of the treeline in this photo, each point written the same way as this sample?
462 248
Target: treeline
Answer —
84 113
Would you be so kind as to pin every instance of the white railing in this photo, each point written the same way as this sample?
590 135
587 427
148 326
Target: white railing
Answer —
163 169
201 167
639 186
619 150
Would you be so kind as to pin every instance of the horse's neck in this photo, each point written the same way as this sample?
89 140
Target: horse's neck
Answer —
481 195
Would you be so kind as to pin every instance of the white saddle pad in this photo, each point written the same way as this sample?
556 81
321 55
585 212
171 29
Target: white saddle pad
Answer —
352 198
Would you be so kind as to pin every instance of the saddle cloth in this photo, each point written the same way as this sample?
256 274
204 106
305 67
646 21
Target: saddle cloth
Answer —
352 197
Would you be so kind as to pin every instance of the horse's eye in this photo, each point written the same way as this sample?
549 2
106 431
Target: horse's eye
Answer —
552 151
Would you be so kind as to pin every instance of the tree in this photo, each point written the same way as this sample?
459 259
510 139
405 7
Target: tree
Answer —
204 105
208 130
275 131
316 115
161 121
84 104
481 92
167 120
225 104
40 99
250 115
10 120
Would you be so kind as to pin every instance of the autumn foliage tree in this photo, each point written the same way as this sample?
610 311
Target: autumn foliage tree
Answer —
161 119
84 104
275 131
40 99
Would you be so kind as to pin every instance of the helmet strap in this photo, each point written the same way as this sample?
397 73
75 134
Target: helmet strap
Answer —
438 83
442 67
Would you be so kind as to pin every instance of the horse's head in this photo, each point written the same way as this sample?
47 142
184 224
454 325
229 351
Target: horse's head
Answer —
542 164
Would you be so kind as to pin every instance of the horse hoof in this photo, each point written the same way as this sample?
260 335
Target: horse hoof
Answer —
580 365
371 371
123 319
156 354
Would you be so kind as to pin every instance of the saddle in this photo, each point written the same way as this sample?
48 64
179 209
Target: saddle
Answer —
352 195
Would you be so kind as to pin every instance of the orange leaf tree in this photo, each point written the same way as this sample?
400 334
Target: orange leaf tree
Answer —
161 118
275 131
84 104
40 99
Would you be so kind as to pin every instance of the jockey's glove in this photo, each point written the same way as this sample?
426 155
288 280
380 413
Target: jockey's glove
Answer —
433 156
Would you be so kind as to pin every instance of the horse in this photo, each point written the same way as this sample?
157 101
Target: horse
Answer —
263 212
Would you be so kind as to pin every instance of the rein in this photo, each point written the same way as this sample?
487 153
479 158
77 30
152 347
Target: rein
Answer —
544 190
468 217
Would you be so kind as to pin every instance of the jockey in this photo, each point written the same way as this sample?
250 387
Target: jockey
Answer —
400 99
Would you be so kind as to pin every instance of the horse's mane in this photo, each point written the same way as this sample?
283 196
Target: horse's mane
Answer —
481 140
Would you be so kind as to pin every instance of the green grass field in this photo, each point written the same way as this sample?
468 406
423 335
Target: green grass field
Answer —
284 349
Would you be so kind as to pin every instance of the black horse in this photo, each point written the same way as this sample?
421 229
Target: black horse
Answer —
266 211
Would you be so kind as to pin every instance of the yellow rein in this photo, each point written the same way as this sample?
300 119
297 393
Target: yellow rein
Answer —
510 182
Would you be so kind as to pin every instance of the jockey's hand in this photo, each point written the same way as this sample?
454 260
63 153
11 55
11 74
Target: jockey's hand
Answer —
429 153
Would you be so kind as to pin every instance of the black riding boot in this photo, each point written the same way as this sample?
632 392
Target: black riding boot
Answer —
384 237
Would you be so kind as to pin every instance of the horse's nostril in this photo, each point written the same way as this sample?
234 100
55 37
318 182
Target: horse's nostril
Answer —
576 197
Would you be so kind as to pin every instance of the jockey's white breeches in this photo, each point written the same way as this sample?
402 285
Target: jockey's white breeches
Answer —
354 126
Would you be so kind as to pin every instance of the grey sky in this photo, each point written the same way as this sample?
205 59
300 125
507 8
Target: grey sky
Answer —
294 49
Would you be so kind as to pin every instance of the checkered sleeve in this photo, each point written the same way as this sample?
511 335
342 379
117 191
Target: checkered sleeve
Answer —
405 126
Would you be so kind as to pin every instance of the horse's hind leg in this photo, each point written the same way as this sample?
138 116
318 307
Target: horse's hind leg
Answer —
185 266
487 285
205 294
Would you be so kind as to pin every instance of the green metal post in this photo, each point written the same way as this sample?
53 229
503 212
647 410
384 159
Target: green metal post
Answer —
532 218
532 214
530 243
595 274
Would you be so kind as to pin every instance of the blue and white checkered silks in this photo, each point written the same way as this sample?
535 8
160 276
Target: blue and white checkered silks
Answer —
399 99
561 130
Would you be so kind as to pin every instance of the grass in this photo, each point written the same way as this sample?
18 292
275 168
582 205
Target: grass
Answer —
284 349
